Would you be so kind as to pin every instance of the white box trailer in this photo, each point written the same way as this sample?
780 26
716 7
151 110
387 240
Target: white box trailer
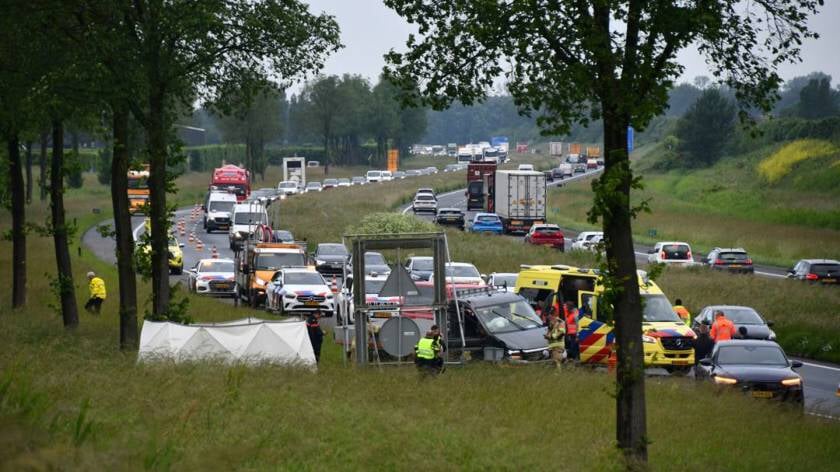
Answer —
555 148
294 169
520 199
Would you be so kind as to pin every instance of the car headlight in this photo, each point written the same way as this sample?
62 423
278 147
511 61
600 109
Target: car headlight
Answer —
794 382
260 282
319 262
721 380
330 296
290 296
648 339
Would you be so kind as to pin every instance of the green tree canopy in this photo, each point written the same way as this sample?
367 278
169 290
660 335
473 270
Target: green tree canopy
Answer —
706 128
818 100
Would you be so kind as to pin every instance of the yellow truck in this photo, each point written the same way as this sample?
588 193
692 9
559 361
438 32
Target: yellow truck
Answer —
667 341
257 263
138 190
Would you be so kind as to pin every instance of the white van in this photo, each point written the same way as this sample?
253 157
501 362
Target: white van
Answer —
386 176
217 209
245 218
373 176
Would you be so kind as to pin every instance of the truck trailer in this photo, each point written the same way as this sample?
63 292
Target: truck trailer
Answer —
519 199
480 185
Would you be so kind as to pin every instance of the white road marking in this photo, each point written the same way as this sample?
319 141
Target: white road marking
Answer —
136 232
819 366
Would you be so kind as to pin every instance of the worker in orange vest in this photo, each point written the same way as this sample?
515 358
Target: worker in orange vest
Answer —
682 312
571 315
722 329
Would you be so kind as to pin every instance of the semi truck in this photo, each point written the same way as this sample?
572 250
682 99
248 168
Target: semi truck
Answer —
480 185
519 199
294 170
555 148
233 179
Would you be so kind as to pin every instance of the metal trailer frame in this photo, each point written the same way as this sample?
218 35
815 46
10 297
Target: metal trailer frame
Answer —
361 243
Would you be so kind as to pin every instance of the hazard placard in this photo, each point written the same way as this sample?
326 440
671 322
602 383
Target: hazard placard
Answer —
393 160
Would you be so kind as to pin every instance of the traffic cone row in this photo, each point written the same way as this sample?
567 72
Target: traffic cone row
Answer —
191 238
214 253
199 246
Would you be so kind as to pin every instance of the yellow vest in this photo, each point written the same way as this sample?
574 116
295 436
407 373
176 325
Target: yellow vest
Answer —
426 349
97 288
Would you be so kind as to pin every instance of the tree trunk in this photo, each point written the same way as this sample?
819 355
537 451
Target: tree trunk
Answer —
125 238
67 292
158 213
29 172
18 223
631 423
42 166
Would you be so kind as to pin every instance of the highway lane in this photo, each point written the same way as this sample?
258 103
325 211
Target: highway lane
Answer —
821 380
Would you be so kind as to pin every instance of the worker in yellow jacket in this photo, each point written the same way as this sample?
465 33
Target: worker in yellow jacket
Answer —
98 294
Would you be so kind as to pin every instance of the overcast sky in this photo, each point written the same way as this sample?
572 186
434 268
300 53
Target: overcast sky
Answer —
369 29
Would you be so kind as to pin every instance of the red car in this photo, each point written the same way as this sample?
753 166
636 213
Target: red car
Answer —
546 235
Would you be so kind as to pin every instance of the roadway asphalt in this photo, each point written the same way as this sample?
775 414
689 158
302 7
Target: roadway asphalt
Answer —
821 380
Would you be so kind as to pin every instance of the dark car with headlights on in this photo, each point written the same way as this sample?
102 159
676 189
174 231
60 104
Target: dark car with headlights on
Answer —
758 368
330 259
450 217
748 323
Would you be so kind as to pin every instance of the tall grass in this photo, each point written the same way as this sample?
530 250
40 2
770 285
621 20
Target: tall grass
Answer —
73 401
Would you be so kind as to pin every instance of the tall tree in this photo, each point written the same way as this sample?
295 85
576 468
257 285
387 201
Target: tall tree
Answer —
42 165
706 128
61 232
321 106
569 61
162 56
29 171
818 99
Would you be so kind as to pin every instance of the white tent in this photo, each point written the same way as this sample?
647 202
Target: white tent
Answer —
247 340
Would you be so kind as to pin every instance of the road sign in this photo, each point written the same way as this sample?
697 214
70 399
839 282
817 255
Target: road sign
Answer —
630 137
393 160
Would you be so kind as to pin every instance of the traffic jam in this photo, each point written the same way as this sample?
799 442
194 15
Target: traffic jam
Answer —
496 316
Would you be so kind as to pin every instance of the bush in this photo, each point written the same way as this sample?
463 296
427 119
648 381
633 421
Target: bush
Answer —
390 223
103 170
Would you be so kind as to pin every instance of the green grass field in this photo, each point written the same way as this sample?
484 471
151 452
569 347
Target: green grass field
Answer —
73 401
728 205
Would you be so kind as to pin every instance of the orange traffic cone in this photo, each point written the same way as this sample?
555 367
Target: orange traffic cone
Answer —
214 252
191 238
334 285
612 361
199 246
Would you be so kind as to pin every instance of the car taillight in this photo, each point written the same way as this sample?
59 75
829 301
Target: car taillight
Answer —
749 261
718 261
662 255
812 277
689 255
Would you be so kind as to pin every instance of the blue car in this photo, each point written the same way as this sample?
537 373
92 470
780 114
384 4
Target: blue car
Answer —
486 223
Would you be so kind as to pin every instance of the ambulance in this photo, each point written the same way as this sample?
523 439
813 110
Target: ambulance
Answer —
667 341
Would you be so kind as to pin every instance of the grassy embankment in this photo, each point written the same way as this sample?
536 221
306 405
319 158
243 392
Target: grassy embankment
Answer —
73 401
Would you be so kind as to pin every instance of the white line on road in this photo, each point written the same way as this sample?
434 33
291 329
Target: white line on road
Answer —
819 366
136 231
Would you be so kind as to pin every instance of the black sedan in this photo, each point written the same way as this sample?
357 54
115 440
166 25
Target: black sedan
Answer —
759 368
748 323
450 217
330 259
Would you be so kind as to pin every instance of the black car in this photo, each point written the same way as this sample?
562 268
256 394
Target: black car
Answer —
283 236
759 368
496 325
557 173
375 263
748 323
824 271
734 260
419 267
330 258
450 217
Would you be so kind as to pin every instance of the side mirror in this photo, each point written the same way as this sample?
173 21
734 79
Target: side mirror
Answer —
707 362
795 364
770 324
484 277
180 244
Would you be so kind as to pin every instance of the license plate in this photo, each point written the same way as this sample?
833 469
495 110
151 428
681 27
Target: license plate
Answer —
829 281
223 286
762 394
735 265
311 303
515 222
680 362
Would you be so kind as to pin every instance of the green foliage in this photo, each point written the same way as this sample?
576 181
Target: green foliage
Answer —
782 162
818 100
704 131
73 166
103 169
391 223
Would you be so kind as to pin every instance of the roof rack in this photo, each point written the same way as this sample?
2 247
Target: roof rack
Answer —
561 267
475 291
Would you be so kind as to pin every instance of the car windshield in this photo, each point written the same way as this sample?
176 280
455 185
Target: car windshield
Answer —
244 218
288 185
825 269
374 173
278 261
374 258
733 256
374 286
547 230
508 317
173 241
505 280
216 266
221 206
282 235
344 181
462 271
331 182
743 316
425 196
487 219
139 183
675 251
449 213
423 264
751 355
332 250
313 185
303 278
657 309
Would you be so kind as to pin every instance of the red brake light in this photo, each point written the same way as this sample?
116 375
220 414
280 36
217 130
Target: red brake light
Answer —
662 254
718 261
749 261
689 255
811 277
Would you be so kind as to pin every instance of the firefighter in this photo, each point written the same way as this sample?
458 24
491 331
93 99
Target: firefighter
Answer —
427 352
556 335
722 329
571 316
98 294
682 312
